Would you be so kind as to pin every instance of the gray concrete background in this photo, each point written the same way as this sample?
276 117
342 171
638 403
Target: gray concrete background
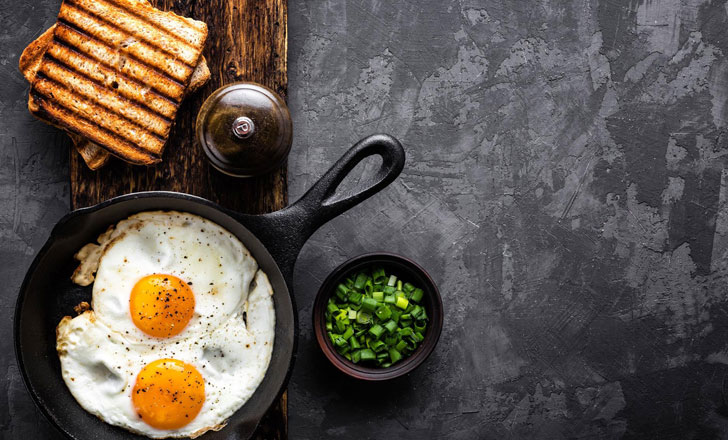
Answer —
565 186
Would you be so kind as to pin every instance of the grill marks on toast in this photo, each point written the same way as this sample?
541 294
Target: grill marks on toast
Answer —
137 26
120 62
115 73
112 36
90 111
102 74
50 111
91 90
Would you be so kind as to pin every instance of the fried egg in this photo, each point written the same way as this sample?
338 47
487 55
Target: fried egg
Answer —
157 260
181 329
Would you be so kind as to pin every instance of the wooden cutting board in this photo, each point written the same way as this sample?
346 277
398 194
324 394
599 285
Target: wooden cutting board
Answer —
247 41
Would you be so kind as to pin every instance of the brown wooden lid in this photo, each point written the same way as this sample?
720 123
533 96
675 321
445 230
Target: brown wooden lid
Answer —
245 129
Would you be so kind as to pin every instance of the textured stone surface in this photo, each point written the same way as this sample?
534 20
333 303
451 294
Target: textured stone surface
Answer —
565 187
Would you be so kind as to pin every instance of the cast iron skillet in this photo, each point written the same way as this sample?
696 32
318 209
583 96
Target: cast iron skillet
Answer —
274 239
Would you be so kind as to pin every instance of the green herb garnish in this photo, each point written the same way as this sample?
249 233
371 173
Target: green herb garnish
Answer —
375 318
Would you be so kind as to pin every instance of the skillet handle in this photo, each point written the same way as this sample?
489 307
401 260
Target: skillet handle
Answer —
321 204
285 232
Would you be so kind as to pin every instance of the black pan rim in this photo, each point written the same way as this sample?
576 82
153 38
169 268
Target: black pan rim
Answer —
16 332
44 249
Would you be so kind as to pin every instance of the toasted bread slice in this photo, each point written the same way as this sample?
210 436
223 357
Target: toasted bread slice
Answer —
33 54
94 155
115 72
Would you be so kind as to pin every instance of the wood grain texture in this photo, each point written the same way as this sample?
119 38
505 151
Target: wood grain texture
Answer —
247 42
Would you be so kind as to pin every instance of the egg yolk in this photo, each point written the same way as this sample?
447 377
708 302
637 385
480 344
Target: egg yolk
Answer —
168 393
161 305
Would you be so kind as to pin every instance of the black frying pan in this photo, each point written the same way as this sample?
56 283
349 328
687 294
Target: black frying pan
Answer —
274 239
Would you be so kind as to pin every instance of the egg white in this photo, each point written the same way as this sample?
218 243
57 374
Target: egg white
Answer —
102 352
211 260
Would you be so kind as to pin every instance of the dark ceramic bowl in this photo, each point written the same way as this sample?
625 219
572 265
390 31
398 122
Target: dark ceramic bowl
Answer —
404 269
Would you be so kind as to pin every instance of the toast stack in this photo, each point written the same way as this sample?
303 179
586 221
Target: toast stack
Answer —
113 73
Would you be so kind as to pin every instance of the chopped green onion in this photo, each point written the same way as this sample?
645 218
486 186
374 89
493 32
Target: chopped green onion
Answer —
369 286
342 289
390 326
376 330
383 312
379 275
416 312
378 346
417 295
366 354
369 304
355 297
339 341
374 318
361 281
363 317
407 331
